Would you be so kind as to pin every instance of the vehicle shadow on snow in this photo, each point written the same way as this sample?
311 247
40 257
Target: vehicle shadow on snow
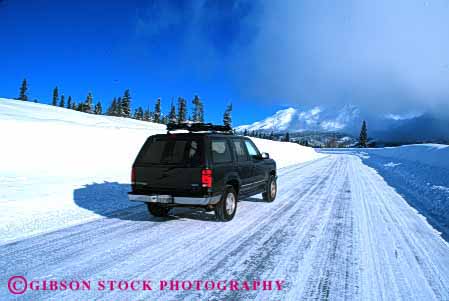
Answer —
110 199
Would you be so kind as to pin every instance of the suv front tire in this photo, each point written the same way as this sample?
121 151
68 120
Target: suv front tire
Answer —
271 190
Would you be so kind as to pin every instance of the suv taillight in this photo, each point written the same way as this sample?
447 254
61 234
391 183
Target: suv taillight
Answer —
206 178
133 176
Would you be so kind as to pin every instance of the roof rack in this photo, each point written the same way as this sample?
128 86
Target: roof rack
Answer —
199 127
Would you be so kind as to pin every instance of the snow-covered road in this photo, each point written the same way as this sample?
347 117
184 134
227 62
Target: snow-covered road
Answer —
336 231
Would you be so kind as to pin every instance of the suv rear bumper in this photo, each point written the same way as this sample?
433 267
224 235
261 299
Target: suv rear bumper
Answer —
201 201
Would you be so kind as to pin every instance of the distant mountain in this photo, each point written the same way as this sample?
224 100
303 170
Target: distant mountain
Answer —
318 125
346 119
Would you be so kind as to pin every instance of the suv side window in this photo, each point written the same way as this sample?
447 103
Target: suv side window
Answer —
252 149
221 152
240 150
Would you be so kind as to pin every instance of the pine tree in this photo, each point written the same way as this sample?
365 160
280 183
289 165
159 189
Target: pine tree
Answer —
165 119
198 111
62 102
172 115
69 102
73 105
23 91
157 111
227 117
112 108
271 135
287 137
118 108
80 107
126 104
363 139
146 115
98 109
87 108
55 96
151 116
245 132
182 110
138 113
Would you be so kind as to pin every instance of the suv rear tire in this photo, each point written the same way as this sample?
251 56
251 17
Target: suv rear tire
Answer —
271 190
226 208
157 210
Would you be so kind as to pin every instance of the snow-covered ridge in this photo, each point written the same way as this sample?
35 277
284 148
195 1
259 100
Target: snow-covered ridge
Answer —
48 154
316 119
278 122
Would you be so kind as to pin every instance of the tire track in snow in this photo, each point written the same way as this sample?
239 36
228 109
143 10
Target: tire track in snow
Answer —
333 275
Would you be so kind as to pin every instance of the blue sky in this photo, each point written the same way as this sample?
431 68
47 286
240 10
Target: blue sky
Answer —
386 57
108 46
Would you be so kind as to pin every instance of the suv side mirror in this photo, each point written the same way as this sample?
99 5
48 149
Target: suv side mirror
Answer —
265 156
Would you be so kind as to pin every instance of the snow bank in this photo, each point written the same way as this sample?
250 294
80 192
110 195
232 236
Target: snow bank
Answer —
286 153
429 154
419 172
60 167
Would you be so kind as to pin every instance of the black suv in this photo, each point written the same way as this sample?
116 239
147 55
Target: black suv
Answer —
206 166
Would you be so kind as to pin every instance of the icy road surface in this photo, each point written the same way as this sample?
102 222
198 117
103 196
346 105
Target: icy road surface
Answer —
335 231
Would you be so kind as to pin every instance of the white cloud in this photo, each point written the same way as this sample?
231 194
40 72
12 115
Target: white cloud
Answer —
384 56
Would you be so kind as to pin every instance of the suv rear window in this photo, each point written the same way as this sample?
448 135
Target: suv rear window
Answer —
163 150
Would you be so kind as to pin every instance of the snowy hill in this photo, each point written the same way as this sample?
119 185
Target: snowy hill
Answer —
48 153
49 140
315 119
